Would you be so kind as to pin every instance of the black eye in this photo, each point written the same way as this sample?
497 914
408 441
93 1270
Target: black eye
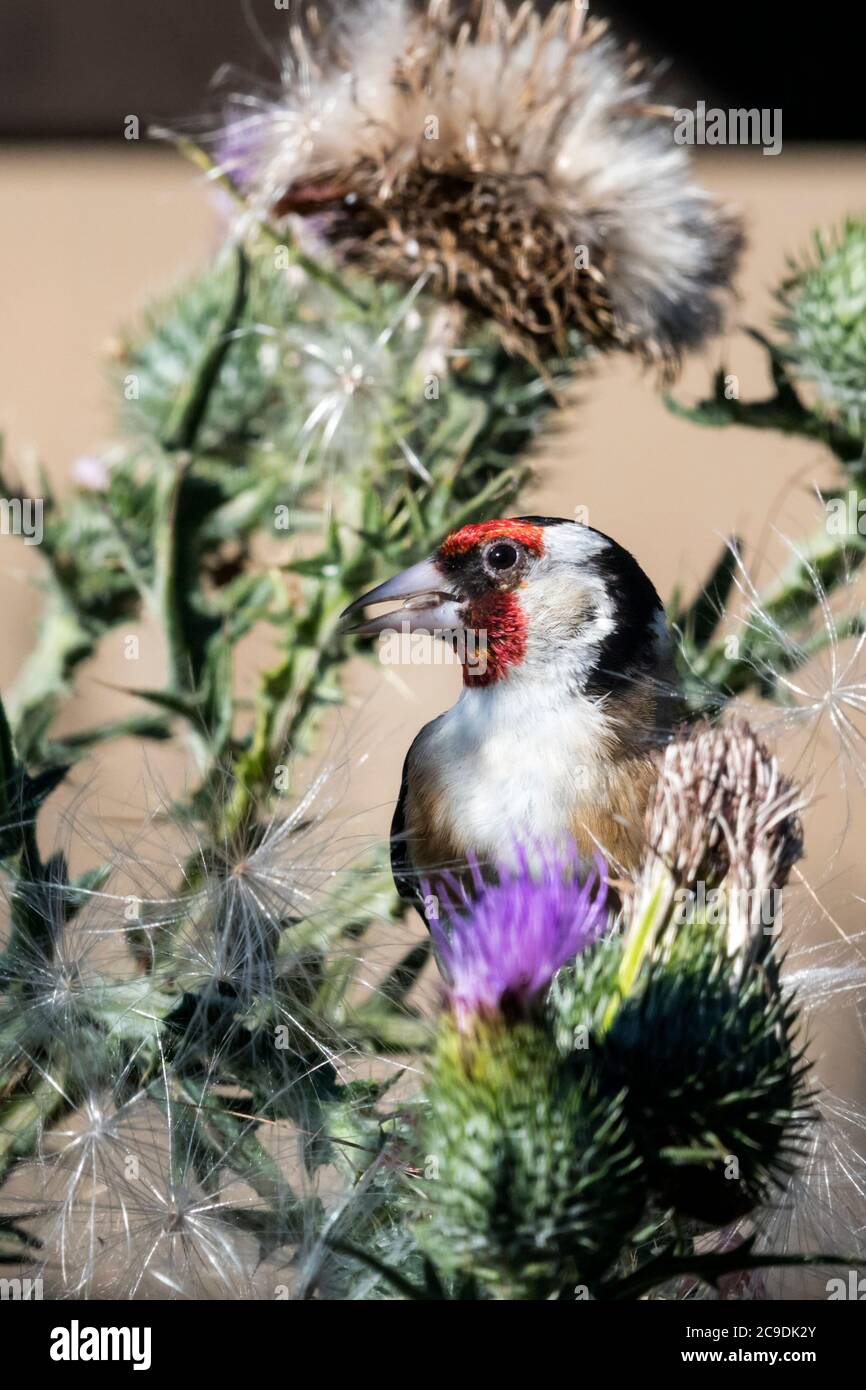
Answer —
502 556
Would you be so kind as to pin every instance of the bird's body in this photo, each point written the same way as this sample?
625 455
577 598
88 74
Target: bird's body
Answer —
553 735
504 766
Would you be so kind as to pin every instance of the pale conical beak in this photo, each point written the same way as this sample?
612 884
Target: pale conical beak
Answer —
429 604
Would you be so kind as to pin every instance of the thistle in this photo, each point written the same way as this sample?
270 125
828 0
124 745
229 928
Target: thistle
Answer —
700 1034
823 303
513 162
193 1089
534 1183
722 818
500 952
713 1083
534 1177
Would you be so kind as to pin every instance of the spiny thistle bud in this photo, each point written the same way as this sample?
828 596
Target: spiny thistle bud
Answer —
532 1172
511 161
714 1093
713 1083
824 317
534 1183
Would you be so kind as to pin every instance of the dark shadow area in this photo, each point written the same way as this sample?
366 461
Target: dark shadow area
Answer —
79 69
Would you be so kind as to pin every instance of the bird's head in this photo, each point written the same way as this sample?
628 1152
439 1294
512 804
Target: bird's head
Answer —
529 598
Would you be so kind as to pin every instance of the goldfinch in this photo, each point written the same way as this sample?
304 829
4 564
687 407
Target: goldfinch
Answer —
568 689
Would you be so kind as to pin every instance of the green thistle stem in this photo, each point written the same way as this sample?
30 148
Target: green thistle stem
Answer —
783 411
183 428
640 937
63 642
24 1117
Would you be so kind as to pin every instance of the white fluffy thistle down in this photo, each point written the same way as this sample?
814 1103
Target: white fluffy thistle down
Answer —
131 1204
514 160
818 668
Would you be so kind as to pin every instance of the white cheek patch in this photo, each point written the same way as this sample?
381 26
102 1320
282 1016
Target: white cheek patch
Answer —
569 614
573 544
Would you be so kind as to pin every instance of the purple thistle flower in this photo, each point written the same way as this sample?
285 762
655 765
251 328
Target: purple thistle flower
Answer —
503 944
239 150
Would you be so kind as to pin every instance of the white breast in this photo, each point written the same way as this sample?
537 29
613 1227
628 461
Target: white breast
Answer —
508 767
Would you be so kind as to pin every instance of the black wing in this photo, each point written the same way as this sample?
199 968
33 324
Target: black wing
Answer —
402 867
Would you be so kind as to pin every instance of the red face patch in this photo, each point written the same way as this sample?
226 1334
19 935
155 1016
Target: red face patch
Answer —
496 617
499 623
526 532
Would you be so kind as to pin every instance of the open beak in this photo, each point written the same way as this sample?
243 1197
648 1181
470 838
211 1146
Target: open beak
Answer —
429 604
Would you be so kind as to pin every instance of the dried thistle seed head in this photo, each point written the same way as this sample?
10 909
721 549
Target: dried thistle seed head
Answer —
722 805
722 813
511 160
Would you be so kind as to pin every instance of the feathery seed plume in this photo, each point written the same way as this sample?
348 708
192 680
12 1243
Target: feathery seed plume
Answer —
513 160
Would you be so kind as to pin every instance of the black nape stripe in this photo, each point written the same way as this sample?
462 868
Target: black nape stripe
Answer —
636 604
